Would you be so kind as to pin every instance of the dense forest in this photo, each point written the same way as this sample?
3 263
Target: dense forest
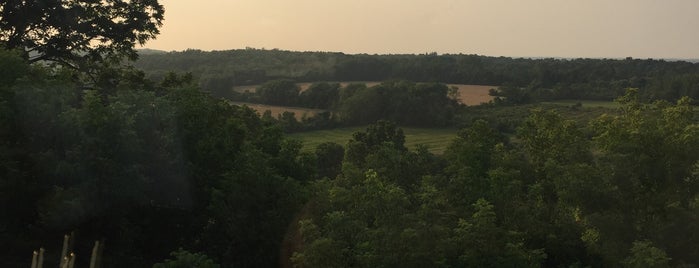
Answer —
542 79
159 169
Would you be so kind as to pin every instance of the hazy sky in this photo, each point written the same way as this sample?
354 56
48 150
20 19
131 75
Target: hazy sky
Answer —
520 28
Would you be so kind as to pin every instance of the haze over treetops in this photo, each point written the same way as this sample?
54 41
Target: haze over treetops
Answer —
542 28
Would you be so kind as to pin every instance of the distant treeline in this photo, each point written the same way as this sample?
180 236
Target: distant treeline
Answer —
541 79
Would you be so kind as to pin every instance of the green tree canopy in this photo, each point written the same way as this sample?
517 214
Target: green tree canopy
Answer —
78 32
279 92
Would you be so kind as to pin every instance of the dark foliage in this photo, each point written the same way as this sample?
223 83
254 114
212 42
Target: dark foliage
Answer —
78 33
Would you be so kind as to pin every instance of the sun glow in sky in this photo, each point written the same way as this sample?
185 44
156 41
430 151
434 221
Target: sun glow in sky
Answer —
519 28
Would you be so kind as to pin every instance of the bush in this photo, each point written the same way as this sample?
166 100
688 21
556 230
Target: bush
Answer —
186 259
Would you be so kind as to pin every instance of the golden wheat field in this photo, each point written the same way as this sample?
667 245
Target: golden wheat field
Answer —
473 94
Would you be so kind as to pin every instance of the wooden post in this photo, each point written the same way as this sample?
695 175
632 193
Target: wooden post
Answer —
99 255
64 252
64 262
71 242
35 258
71 262
40 261
95 253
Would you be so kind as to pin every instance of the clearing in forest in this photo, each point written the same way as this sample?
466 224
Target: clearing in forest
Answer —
473 94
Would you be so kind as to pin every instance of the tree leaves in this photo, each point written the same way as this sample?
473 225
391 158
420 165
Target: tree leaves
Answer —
78 33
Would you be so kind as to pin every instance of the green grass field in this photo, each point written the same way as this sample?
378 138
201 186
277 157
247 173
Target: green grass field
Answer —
585 103
436 139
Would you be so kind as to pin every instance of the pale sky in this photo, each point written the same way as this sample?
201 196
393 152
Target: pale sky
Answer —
517 28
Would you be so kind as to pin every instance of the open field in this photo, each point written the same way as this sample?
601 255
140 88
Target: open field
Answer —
436 139
585 103
277 110
473 94
468 94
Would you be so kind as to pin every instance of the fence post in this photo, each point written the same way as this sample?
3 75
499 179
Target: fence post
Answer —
40 262
71 262
35 258
64 252
95 254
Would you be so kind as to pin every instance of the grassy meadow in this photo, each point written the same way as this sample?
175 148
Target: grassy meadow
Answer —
436 139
